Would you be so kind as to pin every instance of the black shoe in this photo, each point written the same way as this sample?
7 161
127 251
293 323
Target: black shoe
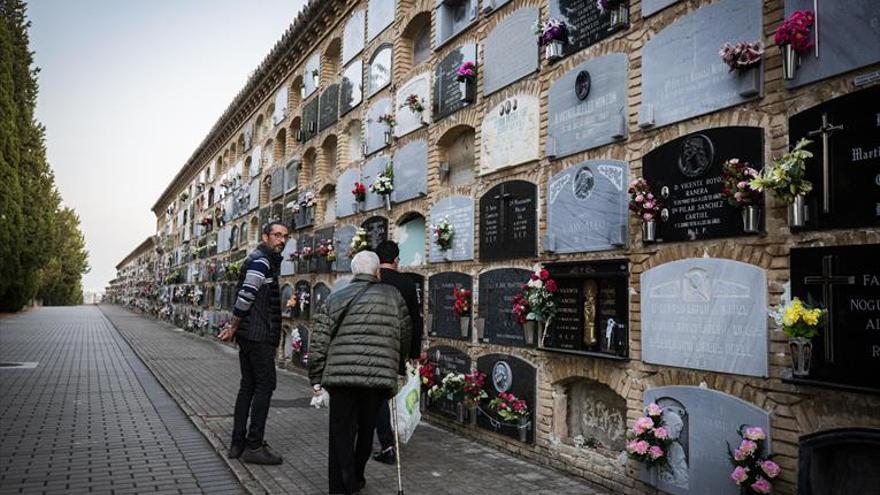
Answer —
362 484
261 455
235 450
385 456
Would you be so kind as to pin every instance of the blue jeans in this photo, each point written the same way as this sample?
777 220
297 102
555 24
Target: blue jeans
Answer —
257 361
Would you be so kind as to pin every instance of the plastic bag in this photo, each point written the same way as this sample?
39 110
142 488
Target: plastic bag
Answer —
407 404
321 400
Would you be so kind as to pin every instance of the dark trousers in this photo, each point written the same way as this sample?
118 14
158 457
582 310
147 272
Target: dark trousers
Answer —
353 412
257 361
383 426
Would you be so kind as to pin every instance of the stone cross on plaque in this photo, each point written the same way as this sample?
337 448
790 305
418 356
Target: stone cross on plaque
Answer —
828 280
825 130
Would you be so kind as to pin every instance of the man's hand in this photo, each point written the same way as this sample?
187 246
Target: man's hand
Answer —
317 390
227 333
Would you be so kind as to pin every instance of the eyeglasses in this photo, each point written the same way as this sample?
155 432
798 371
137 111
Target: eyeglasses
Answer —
279 235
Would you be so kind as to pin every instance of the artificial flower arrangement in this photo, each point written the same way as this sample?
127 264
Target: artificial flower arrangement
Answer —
795 31
536 301
305 253
307 200
462 304
291 303
414 103
426 372
384 183
296 342
359 242
473 387
359 192
303 297
742 55
233 270
549 31
387 119
326 250
293 206
649 439
195 295
753 472
737 176
467 70
508 407
207 222
451 387
443 233
797 319
785 176
642 201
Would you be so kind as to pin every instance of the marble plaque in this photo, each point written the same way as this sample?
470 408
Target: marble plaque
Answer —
515 376
511 50
508 221
377 230
345 204
248 133
510 134
254 194
342 243
311 74
379 70
351 89
595 412
407 120
410 171
849 38
328 107
585 23
353 36
651 7
447 96
587 106
587 207
256 161
280 106
687 174
291 176
447 360
682 74
454 17
276 189
444 322
410 236
380 15
376 130
372 168
287 265
496 291
459 210
703 422
310 119
853 160
707 314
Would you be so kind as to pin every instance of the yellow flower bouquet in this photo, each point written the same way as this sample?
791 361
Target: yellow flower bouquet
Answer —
798 320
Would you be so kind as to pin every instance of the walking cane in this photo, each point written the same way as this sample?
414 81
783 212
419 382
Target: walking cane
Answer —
396 445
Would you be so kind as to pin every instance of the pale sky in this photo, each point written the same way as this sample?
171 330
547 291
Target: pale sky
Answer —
128 90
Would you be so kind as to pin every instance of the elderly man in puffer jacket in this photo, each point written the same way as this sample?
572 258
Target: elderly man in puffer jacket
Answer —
358 347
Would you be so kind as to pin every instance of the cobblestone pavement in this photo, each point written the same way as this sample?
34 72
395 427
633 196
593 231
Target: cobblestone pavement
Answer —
202 375
86 415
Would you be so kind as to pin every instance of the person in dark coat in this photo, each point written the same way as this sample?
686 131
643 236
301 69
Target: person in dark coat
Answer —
256 327
389 262
357 349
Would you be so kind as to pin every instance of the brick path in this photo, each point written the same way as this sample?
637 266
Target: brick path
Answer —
90 418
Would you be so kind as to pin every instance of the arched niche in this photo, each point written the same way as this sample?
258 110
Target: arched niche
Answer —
457 155
410 235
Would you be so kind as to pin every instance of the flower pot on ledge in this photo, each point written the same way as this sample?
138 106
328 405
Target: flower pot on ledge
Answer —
790 61
797 212
466 87
801 355
465 325
523 426
649 231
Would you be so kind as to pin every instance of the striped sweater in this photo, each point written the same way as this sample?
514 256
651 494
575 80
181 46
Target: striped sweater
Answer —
258 301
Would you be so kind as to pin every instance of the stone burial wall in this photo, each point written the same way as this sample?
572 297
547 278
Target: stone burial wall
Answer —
530 162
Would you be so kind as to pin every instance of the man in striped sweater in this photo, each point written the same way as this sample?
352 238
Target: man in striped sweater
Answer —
256 327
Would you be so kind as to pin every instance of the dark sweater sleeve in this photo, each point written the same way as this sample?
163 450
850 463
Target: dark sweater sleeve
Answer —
414 306
257 272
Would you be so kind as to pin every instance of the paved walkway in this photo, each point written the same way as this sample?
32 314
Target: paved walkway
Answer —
84 415
202 377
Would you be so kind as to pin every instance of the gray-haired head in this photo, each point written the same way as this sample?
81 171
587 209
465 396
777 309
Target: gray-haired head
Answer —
365 262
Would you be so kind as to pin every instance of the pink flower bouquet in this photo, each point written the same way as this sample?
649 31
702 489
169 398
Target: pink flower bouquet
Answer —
642 201
648 438
753 471
795 31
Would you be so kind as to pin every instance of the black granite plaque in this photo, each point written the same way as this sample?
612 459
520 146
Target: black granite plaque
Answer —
444 321
303 358
305 217
845 280
447 360
377 230
852 133
321 263
447 97
592 308
687 175
512 375
304 266
508 221
328 107
585 23
310 119
497 289
303 307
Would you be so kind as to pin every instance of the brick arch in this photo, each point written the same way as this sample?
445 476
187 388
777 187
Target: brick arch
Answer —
524 87
414 21
401 218
331 61
309 171
723 249
294 93
328 158
259 123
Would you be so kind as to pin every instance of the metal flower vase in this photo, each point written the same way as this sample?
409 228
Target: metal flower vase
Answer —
751 216
460 412
523 427
619 17
466 88
790 61
472 414
553 50
530 331
649 231
387 198
797 212
388 137
465 325
801 355
423 400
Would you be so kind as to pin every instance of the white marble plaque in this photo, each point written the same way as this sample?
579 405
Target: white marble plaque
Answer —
408 120
510 134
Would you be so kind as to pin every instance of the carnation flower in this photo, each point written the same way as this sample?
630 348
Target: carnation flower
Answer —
661 433
654 409
755 433
748 447
770 468
655 452
643 424
740 474
762 486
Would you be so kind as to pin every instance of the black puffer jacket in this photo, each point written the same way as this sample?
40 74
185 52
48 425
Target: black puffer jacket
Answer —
370 346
